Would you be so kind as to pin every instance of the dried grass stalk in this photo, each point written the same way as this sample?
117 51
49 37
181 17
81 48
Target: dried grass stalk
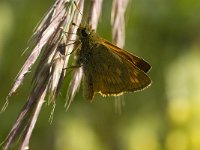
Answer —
77 71
118 36
51 38
118 21
95 12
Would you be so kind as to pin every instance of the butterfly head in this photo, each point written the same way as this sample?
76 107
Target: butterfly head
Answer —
84 31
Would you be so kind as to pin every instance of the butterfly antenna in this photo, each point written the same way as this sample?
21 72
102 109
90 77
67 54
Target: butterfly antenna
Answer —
79 12
77 8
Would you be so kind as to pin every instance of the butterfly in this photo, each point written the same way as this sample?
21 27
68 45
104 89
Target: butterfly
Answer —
106 68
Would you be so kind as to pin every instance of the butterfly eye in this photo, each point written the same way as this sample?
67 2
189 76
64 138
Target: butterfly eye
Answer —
84 33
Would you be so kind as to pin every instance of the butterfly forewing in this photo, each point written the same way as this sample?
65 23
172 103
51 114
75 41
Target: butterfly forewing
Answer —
108 73
138 62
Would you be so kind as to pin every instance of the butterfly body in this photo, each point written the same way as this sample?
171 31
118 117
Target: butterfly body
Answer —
107 69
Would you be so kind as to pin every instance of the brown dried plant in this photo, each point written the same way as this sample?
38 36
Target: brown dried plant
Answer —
51 39
118 35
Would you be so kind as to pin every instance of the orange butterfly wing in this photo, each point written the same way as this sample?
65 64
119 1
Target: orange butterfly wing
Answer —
138 62
112 71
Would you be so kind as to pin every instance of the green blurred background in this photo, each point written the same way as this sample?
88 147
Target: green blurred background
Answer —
165 116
